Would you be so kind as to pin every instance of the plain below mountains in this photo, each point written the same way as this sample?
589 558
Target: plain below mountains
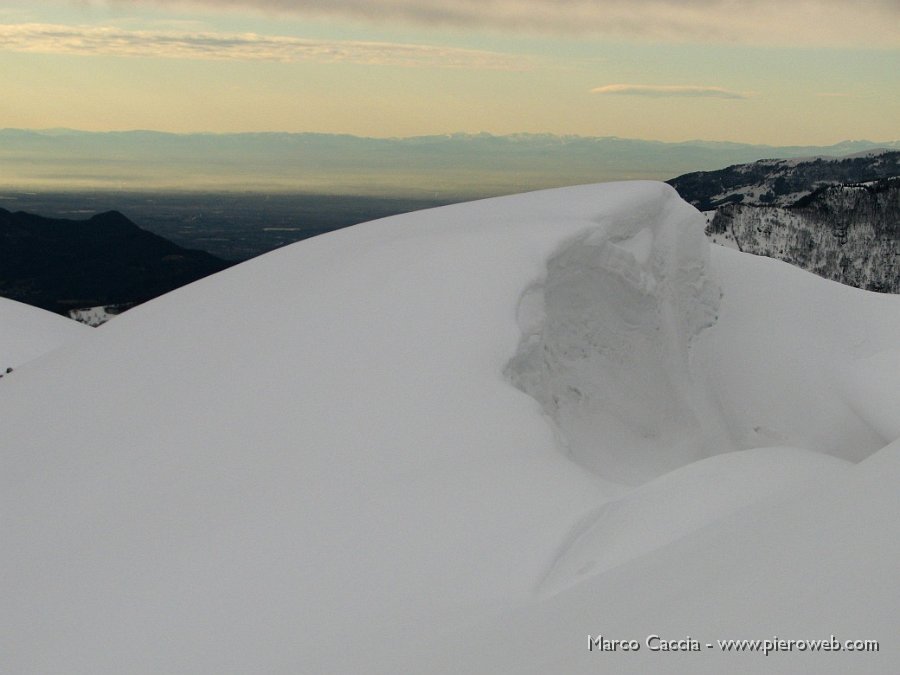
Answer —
61 264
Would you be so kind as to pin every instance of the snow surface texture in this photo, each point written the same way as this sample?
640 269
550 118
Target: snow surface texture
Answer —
605 343
339 477
95 316
27 332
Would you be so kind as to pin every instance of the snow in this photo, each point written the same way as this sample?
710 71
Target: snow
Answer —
27 332
94 316
609 362
873 390
354 454
775 361
807 563
658 513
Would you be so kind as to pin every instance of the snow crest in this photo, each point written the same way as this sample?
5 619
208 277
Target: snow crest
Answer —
606 338
656 513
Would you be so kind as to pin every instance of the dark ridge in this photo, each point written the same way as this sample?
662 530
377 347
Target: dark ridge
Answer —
872 188
60 264
777 178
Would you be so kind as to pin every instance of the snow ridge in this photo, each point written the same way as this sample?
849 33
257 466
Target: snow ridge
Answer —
27 333
606 338
341 463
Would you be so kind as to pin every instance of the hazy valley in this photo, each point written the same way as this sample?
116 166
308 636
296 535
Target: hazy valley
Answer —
834 216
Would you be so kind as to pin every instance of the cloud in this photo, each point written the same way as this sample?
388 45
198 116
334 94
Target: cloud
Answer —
109 41
667 91
826 23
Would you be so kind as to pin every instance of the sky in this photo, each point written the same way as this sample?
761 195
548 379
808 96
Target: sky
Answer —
806 72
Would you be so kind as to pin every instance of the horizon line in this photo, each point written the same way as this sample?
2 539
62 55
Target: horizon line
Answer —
454 134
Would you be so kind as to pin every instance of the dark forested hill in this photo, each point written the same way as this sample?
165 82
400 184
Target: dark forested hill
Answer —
781 182
60 264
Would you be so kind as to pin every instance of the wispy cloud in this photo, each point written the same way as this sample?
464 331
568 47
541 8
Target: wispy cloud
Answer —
773 22
667 91
110 41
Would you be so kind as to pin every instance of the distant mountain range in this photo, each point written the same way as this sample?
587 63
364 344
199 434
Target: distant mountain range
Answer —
838 218
61 265
458 165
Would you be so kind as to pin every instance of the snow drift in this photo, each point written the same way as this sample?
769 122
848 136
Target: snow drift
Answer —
606 336
27 332
317 461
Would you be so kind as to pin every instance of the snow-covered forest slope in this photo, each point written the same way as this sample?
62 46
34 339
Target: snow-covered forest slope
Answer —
462 441
848 233
838 218
781 182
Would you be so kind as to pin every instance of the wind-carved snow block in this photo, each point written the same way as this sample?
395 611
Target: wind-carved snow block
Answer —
605 345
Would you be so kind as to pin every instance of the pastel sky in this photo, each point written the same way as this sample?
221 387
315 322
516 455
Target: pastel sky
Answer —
782 72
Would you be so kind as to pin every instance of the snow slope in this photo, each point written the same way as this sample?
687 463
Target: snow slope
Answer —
366 453
27 332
